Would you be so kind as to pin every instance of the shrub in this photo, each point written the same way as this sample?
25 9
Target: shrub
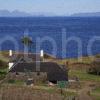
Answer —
95 67
3 64
11 81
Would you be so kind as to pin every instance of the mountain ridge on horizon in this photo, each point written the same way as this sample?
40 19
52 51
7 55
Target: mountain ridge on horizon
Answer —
87 14
17 13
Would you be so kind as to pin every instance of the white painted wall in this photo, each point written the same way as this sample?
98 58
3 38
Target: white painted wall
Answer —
10 65
10 53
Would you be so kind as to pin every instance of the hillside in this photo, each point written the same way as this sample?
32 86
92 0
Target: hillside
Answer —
87 84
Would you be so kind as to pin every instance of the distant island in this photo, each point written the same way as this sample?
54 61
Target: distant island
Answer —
94 14
17 13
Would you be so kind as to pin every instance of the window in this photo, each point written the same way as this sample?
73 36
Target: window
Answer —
38 73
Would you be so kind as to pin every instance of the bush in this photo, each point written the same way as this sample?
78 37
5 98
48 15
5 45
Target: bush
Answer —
3 64
95 67
11 81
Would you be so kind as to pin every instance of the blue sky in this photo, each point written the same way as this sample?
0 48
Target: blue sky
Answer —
61 7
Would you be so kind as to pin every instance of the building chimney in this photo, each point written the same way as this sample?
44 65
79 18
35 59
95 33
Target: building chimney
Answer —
10 53
10 63
42 54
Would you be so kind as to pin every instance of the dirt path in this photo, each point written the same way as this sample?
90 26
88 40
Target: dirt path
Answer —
84 94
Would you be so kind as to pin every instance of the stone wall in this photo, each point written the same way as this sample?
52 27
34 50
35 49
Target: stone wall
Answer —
36 76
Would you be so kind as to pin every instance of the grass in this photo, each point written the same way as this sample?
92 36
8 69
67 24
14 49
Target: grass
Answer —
97 90
96 97
32 93
85 60
42 87
3 73
4 56
16 82
84 76
96 93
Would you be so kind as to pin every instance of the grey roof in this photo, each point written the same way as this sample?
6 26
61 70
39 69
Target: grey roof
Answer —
54 70
44 66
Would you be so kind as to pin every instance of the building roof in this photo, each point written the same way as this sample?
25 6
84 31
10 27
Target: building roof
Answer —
53 70
44 66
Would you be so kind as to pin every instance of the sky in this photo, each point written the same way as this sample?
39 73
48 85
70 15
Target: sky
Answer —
58 7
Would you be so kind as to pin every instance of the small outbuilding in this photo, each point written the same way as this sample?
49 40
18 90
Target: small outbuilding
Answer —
33 66
44 71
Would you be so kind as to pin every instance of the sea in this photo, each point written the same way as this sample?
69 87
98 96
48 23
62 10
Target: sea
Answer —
63 37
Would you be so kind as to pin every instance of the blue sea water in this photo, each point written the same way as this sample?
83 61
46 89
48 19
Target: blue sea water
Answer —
84 29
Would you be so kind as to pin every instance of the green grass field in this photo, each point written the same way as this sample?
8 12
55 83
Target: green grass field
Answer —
81 74
96 93
3 73
84 76
4 56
